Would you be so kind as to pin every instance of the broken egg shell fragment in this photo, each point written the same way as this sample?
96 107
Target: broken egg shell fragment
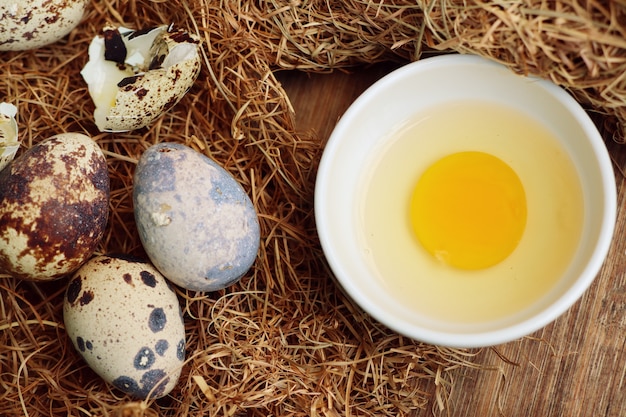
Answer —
30 24
9 141
135 76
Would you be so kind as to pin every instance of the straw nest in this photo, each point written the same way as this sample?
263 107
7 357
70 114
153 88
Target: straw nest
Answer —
579 45
284 341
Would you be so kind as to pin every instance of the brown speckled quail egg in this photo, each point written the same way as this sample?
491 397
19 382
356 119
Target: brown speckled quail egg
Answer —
125 321
135 76
9 141
30 24
54 205
195 221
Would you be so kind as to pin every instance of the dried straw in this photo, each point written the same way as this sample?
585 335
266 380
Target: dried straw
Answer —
580 45
284 341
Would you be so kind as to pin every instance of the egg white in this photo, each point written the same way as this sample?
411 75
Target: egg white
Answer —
554 224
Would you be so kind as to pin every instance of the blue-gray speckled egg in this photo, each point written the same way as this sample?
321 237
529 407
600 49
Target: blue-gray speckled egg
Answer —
195 221
124 319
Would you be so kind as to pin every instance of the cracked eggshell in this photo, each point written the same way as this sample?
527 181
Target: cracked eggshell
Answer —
135 76
125 321
54 204
9 141
195 221
30 24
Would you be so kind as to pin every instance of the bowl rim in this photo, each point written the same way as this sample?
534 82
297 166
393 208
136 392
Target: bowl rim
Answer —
481 338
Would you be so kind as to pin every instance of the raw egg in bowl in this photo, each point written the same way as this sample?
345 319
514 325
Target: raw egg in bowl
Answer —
464 205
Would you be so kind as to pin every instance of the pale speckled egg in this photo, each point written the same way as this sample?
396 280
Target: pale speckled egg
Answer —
195 221
135 76
30 24
54 205
125 320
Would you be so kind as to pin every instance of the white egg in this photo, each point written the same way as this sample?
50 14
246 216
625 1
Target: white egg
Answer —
195 221
135 76
9 140
125 321
30 24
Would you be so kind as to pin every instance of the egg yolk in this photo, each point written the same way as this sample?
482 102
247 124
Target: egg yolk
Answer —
468 210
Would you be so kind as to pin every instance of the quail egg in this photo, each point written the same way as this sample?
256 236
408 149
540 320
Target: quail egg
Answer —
30 24
195 221
125 320
54 205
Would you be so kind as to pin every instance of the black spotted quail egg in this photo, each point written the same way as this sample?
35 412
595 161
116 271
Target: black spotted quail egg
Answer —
125 320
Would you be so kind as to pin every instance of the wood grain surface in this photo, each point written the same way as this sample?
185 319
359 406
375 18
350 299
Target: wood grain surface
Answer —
575 366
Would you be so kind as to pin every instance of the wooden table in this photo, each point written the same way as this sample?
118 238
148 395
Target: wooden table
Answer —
576 366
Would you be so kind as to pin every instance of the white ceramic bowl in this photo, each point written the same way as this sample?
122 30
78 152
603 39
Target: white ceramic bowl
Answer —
391 102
